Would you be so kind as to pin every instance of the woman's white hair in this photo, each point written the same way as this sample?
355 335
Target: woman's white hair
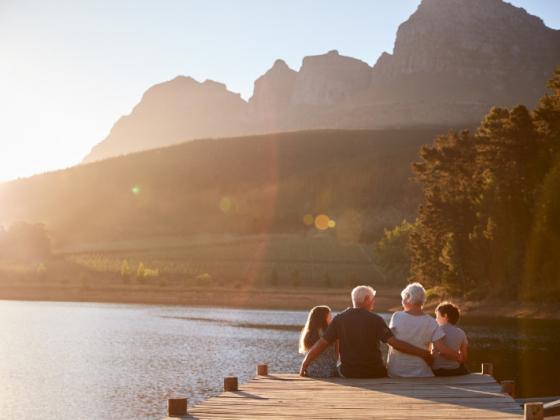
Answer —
359 294
414 294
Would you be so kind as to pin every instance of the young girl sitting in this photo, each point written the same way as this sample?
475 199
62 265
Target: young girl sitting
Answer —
324 366
455 338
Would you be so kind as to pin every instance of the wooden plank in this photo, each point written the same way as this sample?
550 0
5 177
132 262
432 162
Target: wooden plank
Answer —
552 408
289 396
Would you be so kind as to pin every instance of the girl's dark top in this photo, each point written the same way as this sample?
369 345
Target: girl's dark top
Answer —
359 333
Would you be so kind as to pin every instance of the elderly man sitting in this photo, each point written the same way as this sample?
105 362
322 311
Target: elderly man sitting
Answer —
359 332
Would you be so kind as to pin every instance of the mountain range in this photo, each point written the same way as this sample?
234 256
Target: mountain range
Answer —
452 61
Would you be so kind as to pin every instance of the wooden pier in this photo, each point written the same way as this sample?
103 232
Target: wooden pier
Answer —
289 396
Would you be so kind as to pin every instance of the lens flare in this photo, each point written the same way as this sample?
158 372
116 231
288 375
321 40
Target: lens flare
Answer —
322 222
308 219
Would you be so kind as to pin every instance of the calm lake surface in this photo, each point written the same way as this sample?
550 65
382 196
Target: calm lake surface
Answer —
107 361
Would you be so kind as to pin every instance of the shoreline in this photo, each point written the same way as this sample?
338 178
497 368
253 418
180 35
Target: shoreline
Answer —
387 299
238 298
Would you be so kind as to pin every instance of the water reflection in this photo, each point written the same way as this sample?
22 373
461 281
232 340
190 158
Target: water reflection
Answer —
101 361
522 350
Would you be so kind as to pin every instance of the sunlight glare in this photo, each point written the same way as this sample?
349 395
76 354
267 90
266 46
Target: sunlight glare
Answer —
322 222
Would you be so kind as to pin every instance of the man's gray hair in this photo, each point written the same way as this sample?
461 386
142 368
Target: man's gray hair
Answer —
360 293
414 294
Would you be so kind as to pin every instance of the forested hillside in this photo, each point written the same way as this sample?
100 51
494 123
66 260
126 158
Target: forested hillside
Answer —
246 185
489 221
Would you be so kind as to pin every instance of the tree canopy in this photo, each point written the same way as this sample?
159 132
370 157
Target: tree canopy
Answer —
488 219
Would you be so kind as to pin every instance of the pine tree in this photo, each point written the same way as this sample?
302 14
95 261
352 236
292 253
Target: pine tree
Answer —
542 270
508 147
446 175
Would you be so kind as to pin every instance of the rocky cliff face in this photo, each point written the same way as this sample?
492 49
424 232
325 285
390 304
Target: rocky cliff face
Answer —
175 111
272 95
285 99
452 61
467 51
330 80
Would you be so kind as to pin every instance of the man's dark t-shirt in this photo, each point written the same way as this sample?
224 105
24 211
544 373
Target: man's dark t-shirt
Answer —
359 332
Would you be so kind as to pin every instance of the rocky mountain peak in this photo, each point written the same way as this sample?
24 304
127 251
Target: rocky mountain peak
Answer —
485 25
272 93
280 64
474 51
452 61
330 79
177 110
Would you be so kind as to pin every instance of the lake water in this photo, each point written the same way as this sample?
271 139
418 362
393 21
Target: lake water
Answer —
105 361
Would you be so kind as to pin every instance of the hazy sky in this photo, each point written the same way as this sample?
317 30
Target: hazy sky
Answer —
70 69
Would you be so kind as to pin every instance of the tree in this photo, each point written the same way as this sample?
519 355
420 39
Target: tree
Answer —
487 220
542 269
446 173
508 147
141 270
547 121
125 269
393 254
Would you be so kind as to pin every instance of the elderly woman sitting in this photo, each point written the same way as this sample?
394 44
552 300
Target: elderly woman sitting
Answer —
418 329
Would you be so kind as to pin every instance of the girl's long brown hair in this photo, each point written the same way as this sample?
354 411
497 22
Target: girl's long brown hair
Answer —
314 327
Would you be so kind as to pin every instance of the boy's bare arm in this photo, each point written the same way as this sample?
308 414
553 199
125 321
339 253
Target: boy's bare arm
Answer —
446 351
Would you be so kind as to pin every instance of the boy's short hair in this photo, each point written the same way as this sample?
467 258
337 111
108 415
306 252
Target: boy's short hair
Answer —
452 311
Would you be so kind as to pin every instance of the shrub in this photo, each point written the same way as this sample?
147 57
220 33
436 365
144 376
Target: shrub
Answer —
141 270
125 269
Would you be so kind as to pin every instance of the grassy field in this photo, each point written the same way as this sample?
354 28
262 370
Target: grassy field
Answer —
283 271
315 260
276 272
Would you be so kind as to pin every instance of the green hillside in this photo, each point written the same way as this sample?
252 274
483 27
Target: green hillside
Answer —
263 184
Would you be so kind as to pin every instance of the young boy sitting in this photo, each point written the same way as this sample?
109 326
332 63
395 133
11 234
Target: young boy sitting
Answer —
455 338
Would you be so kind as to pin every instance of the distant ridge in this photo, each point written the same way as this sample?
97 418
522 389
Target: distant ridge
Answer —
452 61
243 185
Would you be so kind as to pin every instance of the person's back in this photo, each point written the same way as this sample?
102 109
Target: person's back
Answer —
324 365
359 332
454 339
418 330
447 315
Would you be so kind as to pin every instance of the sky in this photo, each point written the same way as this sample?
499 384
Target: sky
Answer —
70 69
